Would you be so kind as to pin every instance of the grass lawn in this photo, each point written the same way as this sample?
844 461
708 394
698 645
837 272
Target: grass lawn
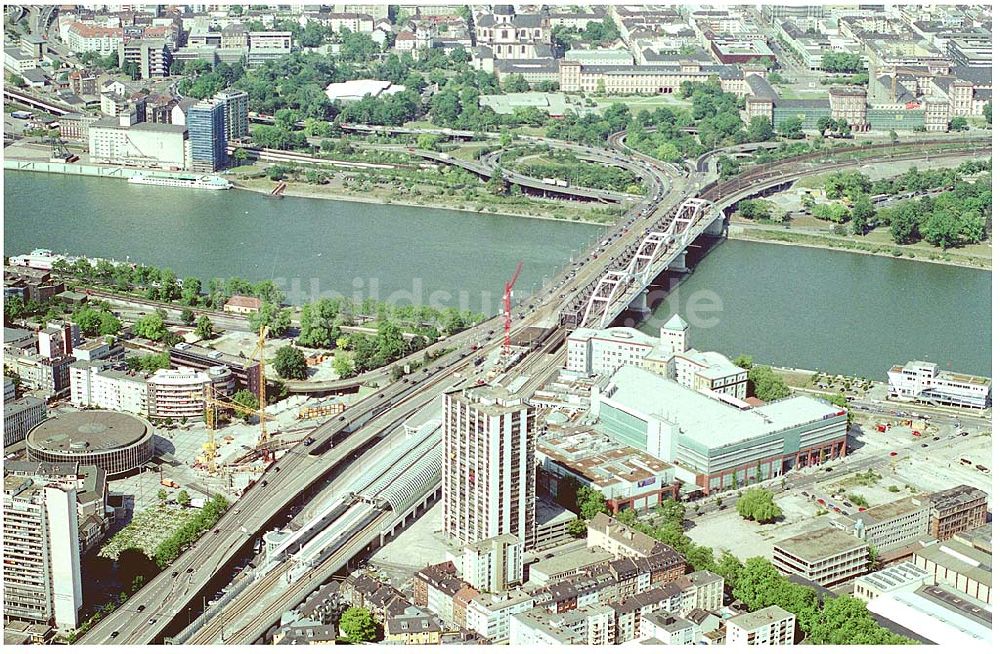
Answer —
637 103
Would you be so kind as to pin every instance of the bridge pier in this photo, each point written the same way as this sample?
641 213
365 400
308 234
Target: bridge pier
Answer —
679 263
639 304
717 227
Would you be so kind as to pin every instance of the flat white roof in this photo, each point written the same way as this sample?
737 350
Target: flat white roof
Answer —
706 420
359 88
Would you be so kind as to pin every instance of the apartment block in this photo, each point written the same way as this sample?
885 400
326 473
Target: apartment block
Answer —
488 468
19 416
769 626
41 566
495 564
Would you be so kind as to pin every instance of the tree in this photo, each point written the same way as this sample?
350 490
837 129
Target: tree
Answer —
515 84
863 211
151 326
941 230
204 329
358 625
591 502
729 568
343 364
187 316
758 504
958 124
290 363
988 112
577 527
671 510
183 498
845 620
824 124
791 128
248 401
767 384
162 495
758 583
893 136
744 361
759 130
240 156
277 320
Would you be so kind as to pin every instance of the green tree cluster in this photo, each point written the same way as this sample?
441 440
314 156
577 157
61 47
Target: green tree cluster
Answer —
97 321
759 210
290 363
358 625
190 531
148 362
276 319
767 385
841 62
758 504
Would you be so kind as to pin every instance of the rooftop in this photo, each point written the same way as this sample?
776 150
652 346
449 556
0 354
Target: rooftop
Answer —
820 544
962 559
883 512
955 497
706 421
761 618
896 576
88 432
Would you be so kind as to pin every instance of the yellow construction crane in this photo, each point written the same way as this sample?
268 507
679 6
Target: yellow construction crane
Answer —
213 403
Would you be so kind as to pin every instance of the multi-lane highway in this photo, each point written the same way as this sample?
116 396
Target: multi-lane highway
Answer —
146 617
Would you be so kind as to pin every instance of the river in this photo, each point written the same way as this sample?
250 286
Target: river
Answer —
833 311
784 305
310 247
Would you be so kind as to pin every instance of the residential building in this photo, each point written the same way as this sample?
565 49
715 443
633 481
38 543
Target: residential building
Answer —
414 626
668 628
902 576
488 469
306 632
243 304
83 81
96 384
41 566
151 56
592 625
489 614
206 125
51 376
142 145
849 103
958 564
237 107
888 527
769 626
91 486
19 416
9 389
83 37
956 510
495 564
825 556
436 587
610 535
714 440
99 350
922 381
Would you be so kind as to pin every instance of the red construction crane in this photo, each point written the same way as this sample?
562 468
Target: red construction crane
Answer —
507 288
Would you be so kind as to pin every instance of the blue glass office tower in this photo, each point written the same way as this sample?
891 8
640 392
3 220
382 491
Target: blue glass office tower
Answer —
206 123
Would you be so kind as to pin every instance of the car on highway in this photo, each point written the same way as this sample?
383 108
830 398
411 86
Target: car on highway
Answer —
152 621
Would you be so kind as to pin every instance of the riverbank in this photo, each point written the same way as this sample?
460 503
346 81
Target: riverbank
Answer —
847 244
538 211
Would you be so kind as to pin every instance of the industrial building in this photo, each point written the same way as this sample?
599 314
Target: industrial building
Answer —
142 145
488 470
825 556
715 441
41 551
939 615
923 381
958 563
117 443
902 576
